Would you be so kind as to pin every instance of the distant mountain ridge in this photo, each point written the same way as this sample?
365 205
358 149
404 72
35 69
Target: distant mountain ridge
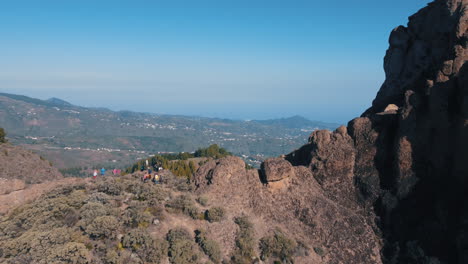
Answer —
293 122
57 124
58 101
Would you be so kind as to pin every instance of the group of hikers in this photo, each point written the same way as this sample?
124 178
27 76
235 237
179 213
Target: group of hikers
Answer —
156 178
103 172
148 175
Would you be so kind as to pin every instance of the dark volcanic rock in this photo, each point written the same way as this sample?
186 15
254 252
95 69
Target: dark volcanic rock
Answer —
402 167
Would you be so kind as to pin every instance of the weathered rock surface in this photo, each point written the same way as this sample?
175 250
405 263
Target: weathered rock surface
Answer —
391 187
8 186
276 169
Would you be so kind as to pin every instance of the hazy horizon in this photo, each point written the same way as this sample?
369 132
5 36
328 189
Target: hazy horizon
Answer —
237 60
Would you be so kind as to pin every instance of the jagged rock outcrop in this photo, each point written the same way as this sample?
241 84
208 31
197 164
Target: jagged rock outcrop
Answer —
402 166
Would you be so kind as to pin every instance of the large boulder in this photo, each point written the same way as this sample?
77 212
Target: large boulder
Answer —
276 169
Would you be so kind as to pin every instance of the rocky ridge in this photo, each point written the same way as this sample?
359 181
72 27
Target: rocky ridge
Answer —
390 186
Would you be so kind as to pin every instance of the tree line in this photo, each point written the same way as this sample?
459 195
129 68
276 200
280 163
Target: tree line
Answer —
178 163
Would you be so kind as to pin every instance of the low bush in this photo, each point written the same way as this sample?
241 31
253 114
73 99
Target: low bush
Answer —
103 227
278 246
110 186
245 241
215 214
178 234
91 211
148 249
182 250
72 252
137 216
209 246
185 205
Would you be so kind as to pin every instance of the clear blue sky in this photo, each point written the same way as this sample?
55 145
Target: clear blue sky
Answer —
235 59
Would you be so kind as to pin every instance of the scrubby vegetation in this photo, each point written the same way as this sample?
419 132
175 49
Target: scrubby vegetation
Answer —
2 136
213 151
75 172
184 204
245 241
215 214
105 221
114 220
147 248
278 246
209 246
180 163
182 248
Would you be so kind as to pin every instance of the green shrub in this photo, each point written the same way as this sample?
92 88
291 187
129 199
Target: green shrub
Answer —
111 257
178 234
73 253
91 211
156 211
148 249
98 197
182 250
209 246
215 214
278 246
34 243
103 227
245 241
146 191
110 186
2 136
137 216
185 205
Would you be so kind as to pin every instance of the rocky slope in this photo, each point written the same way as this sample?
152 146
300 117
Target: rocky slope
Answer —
24 176
391 186
21 164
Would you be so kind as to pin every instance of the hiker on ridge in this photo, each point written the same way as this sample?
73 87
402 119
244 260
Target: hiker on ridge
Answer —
156 179
103 171
95 174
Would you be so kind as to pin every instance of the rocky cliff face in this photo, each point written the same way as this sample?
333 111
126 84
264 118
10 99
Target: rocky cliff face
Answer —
391 187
